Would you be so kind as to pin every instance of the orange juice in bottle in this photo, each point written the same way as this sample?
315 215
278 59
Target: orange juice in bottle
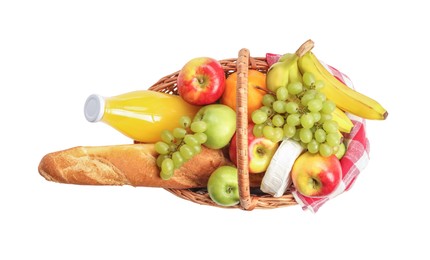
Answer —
140 115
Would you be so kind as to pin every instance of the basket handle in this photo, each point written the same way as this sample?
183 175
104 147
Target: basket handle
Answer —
246 202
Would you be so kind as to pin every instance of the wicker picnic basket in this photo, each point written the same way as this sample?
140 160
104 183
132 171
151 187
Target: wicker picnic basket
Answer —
249 198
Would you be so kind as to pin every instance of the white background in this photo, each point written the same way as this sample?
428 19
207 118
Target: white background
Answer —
53 54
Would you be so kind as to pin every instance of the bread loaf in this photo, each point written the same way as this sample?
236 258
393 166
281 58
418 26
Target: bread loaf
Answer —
130 164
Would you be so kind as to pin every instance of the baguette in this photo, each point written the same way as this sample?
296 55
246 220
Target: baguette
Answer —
129 164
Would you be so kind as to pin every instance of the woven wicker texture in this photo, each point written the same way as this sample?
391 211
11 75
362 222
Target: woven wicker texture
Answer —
249 199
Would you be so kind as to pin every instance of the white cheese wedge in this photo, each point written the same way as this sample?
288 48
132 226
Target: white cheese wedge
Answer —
277 176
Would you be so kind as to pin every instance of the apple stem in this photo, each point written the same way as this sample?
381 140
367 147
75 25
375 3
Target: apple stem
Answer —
229 190
260 151
315 183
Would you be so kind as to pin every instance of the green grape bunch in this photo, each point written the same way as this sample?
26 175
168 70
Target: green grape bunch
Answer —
299 111
179 145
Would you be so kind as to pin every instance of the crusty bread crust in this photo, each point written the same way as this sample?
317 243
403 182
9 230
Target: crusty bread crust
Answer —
129 164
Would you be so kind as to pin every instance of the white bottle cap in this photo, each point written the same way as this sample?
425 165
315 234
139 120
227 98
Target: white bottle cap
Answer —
94 108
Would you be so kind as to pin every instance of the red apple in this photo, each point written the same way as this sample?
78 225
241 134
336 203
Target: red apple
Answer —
314 175
260 151
201 81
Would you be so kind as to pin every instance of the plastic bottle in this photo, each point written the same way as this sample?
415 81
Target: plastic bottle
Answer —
140 115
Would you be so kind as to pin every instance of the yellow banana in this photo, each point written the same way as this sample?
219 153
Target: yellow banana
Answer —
343 121
344 97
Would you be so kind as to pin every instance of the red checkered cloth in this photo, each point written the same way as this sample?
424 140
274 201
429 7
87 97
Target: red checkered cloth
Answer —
356 157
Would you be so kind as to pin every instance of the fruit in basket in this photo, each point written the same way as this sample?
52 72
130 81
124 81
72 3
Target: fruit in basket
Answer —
282 72
344 97
178 146
256 86
223 186
341 151
260 151
316 176
220 124
345 124
201 81
300 112
286 69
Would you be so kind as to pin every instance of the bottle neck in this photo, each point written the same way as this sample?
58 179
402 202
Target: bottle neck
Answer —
94 108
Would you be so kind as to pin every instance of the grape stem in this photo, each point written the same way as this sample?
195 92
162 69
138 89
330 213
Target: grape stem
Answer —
265 90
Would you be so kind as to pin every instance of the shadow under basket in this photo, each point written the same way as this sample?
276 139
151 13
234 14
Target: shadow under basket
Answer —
250 198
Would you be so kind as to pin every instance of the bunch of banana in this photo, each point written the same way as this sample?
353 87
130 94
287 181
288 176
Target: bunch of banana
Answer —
291 66
343 96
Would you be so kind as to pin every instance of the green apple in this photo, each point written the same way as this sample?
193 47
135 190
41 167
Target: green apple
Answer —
223 186
221 124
